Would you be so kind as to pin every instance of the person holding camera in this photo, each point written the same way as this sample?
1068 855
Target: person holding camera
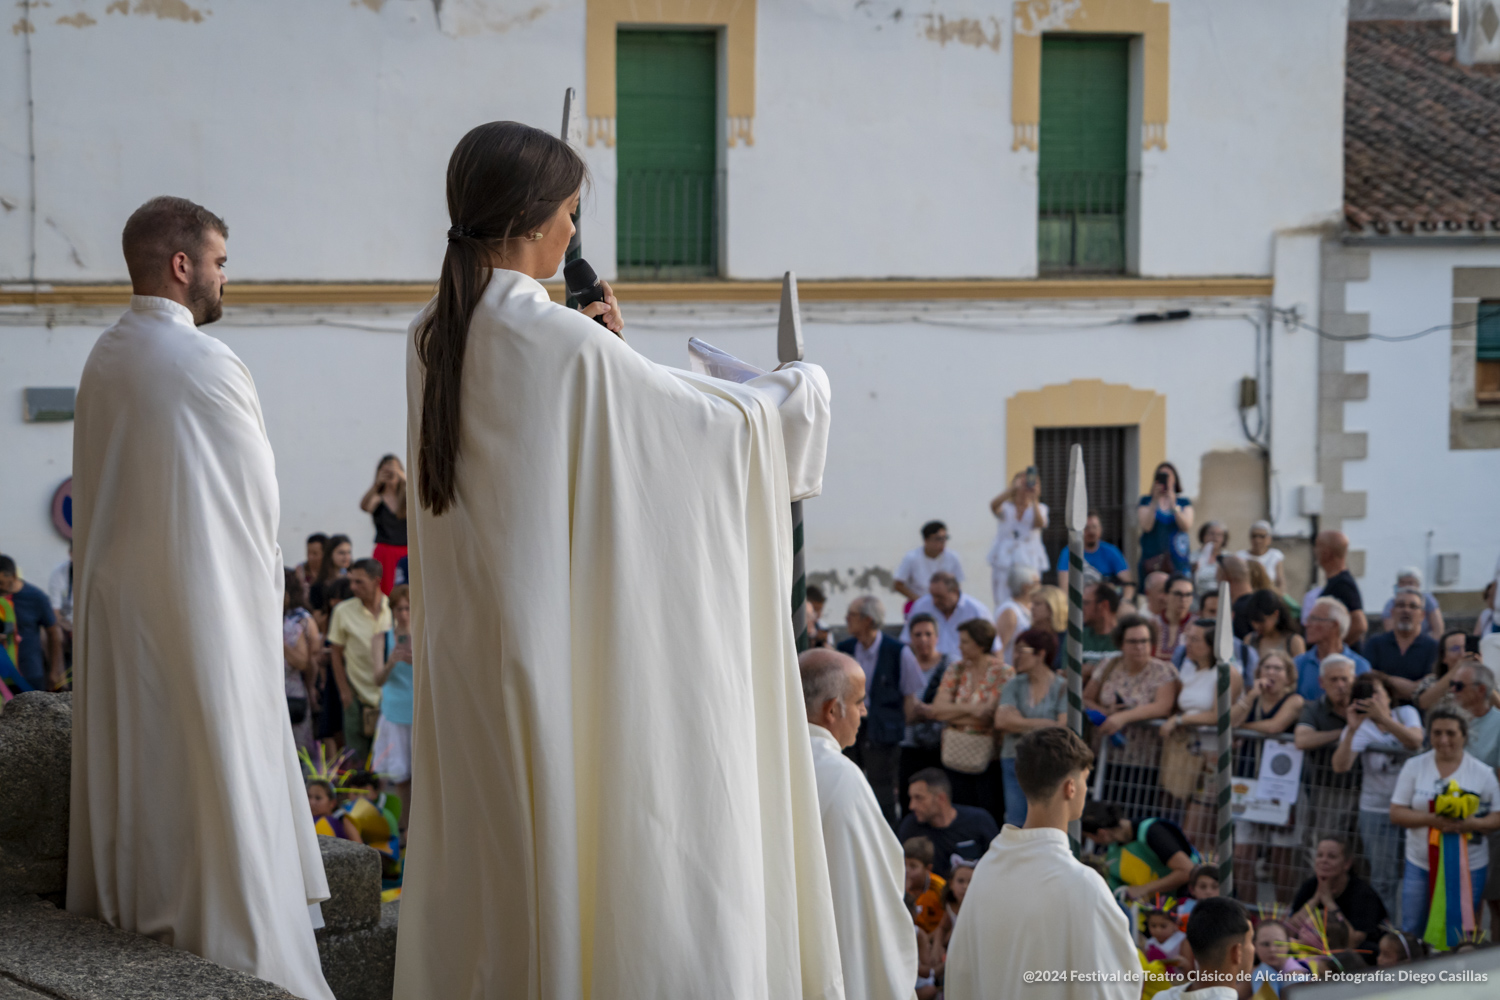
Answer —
1018 537
1165 517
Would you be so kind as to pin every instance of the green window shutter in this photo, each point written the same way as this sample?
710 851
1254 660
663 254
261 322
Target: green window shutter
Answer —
1488 348
1081 168
666 147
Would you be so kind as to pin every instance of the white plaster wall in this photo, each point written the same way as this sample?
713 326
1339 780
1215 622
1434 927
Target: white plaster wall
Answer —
919 409
1415 483
321 133
1293 390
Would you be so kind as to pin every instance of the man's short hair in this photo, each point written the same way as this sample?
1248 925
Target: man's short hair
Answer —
981 631
869 605
1020 577
163 228
918 849
7 566
931 528
824 678
319 537
1098 815
1411 592
1202 871
1483 675
944 579
370 568
936 780
1155 580
1046 757
920 618
815 594
1336 660
1105 594
1216 924
1336 610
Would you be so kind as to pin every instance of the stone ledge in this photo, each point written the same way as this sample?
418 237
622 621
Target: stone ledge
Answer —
36 751
353 872
74 958
361 964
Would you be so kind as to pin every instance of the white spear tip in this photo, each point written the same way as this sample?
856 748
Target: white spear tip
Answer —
1223 630
1078 495
789 324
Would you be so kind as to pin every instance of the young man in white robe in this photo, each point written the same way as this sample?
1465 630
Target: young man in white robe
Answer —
866 866
189 821
1032 908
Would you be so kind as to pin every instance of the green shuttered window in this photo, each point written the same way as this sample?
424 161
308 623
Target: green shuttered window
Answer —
1489 331
1082 145
668 190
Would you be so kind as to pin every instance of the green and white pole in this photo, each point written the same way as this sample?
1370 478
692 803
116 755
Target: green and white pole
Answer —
1077 516
789 348
1223 656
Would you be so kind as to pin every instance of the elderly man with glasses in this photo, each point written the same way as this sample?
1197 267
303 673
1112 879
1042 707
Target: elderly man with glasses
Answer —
1473 688
1404 655
1326 627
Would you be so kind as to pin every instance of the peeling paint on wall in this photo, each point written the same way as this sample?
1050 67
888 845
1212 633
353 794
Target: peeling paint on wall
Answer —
964 31
374 5
1036 16
474 17
78 20
165 10
72 248
118 7
832 581
23 27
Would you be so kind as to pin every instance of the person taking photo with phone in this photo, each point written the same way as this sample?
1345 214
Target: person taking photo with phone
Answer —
1165 517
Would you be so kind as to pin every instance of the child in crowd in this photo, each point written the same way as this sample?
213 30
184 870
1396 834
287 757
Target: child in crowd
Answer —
369 810
953 895
1203 883
1163 940
329 818
1220 935
1398 948
1275 965
1340 957
924 890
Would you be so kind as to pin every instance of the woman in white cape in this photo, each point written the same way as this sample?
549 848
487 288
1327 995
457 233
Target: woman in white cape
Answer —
613 792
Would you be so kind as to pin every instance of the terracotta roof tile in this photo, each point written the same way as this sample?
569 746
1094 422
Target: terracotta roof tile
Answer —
1421 133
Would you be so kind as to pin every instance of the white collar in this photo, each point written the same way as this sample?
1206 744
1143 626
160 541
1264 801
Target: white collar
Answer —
1015 834
155 303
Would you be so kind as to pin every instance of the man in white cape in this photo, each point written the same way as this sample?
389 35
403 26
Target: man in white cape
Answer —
189 822
1033 909
613 792
866 866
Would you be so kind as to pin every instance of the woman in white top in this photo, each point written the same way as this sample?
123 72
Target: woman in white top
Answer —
1014 616
1421 780
1197 705
1260 551
1376 735
1018 537
1212 539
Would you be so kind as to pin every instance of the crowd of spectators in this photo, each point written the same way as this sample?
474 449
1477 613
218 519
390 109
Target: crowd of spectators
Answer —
1379 712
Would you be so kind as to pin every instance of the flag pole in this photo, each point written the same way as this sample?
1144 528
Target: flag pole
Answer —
1223 655
1076 517
789 348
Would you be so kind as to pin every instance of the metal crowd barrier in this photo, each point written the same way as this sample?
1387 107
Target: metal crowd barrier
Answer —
1285 802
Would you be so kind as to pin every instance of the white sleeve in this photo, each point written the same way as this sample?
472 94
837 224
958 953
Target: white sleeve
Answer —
954 565
904 571
1365 735
801 393
1406 784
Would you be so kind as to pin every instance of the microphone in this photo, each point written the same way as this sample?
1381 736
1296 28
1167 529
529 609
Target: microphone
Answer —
583 284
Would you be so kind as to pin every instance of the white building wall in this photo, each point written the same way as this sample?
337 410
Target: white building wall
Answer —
883 144
919 409
1423 498
1292 393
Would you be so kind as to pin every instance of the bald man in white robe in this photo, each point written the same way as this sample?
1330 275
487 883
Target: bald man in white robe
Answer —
877 938
189 820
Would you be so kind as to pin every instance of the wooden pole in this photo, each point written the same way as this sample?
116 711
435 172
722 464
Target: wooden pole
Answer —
789 348
1224 655
1077 516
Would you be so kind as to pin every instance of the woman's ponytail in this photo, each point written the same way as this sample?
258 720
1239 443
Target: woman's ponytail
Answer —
504 179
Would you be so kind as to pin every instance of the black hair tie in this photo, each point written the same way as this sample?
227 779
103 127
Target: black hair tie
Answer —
462 232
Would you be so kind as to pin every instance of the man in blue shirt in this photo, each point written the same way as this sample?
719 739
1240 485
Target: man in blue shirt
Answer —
1404 654
33 616
1103 560
1326 627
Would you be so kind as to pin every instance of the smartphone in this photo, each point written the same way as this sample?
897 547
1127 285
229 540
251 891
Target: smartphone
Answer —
1031 476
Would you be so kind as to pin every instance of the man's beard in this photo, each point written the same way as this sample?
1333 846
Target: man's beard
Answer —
206 300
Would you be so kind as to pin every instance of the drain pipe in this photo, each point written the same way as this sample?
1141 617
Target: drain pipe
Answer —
30 135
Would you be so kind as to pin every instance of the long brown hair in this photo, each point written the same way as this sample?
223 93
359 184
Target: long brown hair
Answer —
505 179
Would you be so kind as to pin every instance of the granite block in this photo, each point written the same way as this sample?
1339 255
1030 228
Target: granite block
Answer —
36 749
65 956
361 964
353 872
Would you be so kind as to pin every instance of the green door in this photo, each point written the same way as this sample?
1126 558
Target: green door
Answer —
666 143
1081 163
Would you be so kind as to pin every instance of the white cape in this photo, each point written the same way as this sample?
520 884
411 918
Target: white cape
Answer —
1033 907
189 821
867 871
613 789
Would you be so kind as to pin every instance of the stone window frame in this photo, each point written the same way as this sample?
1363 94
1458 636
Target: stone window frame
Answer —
1472 425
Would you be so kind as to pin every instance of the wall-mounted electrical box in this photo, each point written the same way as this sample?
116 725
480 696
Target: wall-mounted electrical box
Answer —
1310 500
1447 569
